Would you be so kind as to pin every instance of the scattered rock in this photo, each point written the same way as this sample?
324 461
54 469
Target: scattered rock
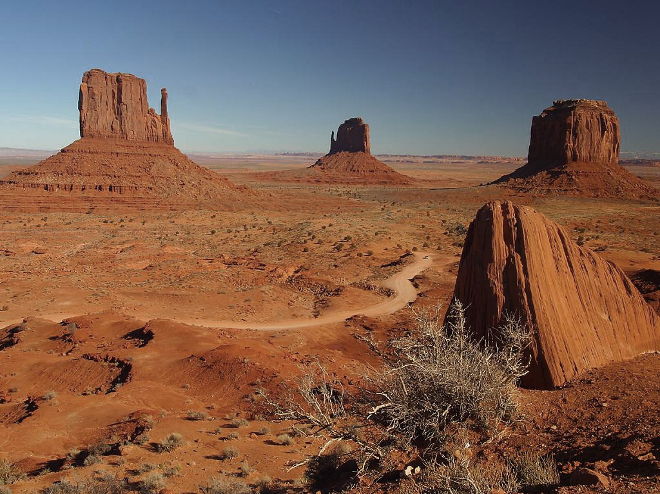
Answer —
587 476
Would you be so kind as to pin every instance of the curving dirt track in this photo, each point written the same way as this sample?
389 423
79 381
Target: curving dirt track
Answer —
399 283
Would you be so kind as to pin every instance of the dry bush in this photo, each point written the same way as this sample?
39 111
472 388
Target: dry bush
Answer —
152 484
225 486
5 490
9 473
463 477
106 485
441 375
245 469
195 415
229 453
285 440
170 443
238 423
534 470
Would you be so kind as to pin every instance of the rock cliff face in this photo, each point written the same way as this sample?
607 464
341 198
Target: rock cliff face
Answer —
352 136
115 105
580 130
583 310
574 149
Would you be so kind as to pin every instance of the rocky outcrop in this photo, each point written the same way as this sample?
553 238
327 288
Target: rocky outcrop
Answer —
352 137
580 130
350 161
574 149
583 310
126 149
115 106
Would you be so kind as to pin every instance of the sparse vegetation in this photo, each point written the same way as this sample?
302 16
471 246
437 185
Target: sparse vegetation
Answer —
195 415
225 486
9 473
170 443
152 484
105 485
285 440
245 469
535 470
239 422
229 453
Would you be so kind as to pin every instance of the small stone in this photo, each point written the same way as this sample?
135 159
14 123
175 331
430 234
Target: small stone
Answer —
587 476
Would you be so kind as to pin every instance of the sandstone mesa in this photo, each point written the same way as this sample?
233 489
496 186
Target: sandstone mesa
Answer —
574 150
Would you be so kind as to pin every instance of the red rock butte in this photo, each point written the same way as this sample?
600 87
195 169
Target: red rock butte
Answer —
125 151
584 312
574 150
350 159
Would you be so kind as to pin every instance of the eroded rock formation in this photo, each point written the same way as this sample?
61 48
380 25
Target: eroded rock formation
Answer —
350 160
126 149
352 136
115 105
574 149
583 310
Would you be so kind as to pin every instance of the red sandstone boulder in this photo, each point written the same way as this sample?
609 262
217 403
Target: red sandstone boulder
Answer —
583 310
574 149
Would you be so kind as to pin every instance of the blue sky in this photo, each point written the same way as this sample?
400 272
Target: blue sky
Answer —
430 77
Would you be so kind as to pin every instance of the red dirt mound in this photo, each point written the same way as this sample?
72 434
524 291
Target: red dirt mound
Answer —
583 310
138 168
574 150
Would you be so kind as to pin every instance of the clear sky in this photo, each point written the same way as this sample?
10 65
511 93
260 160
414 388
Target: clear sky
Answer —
430 77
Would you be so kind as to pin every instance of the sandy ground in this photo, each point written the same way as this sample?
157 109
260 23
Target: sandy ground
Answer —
171 305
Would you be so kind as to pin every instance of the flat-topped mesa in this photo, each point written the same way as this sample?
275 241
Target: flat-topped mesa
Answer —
574 150
583 310
114 105
580 130
352 136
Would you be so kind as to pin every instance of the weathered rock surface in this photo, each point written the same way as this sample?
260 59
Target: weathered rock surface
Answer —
583 310
115 105
352 136
574 149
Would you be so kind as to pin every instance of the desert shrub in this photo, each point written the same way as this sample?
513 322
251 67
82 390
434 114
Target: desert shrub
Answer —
229 453
245 469
9 473
92 460
263 431
535 470
237 423
106 485
232 436
285 440
4 489
442 375
151 484
463 477
195 415
225 486
49 395
170 443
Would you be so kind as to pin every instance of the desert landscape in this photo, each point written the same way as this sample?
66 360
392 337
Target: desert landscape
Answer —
356 321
